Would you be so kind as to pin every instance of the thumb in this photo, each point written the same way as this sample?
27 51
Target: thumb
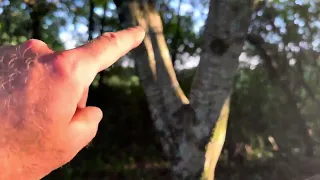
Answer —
84 126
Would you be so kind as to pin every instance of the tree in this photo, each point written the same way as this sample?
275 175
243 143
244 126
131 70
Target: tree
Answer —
277 61
185 124
38 10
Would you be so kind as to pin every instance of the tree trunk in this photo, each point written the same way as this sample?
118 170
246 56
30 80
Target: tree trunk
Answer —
91 20
177 36
275 77
36 23
185 127
315 177
38 10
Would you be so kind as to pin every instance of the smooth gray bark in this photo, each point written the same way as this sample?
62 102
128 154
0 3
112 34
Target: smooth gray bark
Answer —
185 128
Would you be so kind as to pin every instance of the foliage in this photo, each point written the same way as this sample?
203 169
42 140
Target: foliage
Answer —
263 138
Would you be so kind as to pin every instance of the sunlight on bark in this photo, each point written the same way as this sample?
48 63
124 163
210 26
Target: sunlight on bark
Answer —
150 20
134 6
215 145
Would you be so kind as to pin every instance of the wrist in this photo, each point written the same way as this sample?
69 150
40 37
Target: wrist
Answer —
15 168
9 167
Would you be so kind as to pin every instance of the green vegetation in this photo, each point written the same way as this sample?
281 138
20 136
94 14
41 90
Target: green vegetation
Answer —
274 105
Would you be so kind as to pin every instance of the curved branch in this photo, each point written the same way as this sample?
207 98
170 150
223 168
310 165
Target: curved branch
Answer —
152 56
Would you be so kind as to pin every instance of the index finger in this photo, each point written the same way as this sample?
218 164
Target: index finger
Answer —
103 51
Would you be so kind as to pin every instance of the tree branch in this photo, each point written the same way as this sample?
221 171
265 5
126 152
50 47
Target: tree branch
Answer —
158 77
282 83
303 82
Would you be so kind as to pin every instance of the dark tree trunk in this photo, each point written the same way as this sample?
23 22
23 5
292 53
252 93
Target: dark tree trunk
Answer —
38 10
176 38
91 20
275 77
36 23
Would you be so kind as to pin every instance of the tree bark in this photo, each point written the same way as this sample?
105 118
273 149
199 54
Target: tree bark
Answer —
315 177
185 128
225 30
224 34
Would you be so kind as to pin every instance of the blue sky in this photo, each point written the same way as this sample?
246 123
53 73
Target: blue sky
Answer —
71 39
75 34
199 14
67 34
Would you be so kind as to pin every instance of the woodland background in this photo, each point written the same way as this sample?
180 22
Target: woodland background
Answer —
274 122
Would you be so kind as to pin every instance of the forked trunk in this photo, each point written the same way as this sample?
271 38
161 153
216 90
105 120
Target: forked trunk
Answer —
184 126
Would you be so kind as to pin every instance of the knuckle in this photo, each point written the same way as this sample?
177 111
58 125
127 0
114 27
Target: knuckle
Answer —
110 38
34 42
64 65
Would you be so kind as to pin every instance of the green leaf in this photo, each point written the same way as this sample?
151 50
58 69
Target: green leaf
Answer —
100 2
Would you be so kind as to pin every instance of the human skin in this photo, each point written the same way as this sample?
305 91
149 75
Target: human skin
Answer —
44 120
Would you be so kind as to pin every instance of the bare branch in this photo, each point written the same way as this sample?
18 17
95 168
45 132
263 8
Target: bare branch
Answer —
159 78
283 84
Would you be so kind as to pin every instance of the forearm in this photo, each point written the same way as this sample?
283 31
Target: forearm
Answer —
13 168
12 173
6 165
8 170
